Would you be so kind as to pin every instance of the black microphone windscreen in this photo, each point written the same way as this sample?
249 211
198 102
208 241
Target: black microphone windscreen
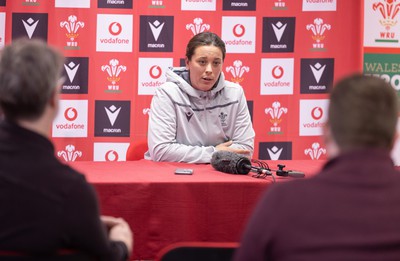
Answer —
229 162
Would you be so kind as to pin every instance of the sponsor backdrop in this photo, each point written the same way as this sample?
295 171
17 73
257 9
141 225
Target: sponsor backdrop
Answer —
382 46
285 54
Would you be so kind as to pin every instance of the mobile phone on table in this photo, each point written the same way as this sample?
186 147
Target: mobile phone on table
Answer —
180 171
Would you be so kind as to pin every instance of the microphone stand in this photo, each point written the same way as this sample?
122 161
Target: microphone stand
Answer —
263 170
288 173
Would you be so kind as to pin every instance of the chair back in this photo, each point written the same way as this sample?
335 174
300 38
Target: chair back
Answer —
136 150
198 251
62 255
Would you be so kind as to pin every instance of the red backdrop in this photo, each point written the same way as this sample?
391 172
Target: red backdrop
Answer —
285 54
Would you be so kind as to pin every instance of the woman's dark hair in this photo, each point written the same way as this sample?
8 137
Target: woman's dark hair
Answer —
205 39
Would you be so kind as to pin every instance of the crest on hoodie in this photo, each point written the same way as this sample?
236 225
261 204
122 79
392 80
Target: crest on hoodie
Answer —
222 116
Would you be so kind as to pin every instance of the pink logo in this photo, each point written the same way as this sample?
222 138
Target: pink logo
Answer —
317 113
70 114
239 30
115 28
277 72
111 155
155 71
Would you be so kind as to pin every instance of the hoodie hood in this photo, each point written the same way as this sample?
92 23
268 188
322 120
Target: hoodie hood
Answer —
180 76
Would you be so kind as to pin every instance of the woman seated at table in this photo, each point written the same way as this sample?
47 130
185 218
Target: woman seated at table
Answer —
196 111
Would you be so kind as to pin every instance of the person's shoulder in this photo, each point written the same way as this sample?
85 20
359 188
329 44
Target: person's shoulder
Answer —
232 89
233 85
168 86
71 176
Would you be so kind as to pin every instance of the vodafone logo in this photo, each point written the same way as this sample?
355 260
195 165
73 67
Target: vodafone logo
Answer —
238 30
111 155
155 71
115 28
317 113
70 114
277 72
114 33
312 116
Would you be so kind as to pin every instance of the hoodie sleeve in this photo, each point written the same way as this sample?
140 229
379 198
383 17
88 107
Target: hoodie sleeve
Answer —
162 134
243 133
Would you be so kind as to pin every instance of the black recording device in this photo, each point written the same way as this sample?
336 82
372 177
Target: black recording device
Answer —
233 163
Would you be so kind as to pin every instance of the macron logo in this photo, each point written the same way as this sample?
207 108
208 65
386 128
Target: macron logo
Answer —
30 26
112 113
279 29
317 70
156 28
274 153
71 70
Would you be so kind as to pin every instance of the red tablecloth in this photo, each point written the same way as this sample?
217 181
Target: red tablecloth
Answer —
163 208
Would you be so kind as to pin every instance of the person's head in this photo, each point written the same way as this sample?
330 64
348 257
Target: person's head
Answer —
205 54
362 113
29 79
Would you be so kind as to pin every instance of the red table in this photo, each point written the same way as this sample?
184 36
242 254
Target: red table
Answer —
163 208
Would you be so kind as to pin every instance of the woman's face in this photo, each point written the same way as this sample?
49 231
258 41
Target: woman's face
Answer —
205 67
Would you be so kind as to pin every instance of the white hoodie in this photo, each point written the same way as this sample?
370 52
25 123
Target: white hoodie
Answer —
185 124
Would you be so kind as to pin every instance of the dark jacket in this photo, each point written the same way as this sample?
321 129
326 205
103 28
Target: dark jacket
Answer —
45 205
349 211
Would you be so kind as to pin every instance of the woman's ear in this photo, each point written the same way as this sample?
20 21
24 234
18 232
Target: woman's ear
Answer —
187 63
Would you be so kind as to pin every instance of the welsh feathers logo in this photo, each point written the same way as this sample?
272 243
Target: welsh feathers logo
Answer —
197 26
318 28
275 112
388 9
315 152
113 70
237 71
70 153
72 26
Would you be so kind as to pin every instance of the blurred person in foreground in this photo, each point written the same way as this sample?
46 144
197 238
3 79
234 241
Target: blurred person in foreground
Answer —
197 112
350 210
45 205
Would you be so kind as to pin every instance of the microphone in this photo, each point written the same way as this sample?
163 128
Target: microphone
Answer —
288 173
233 163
